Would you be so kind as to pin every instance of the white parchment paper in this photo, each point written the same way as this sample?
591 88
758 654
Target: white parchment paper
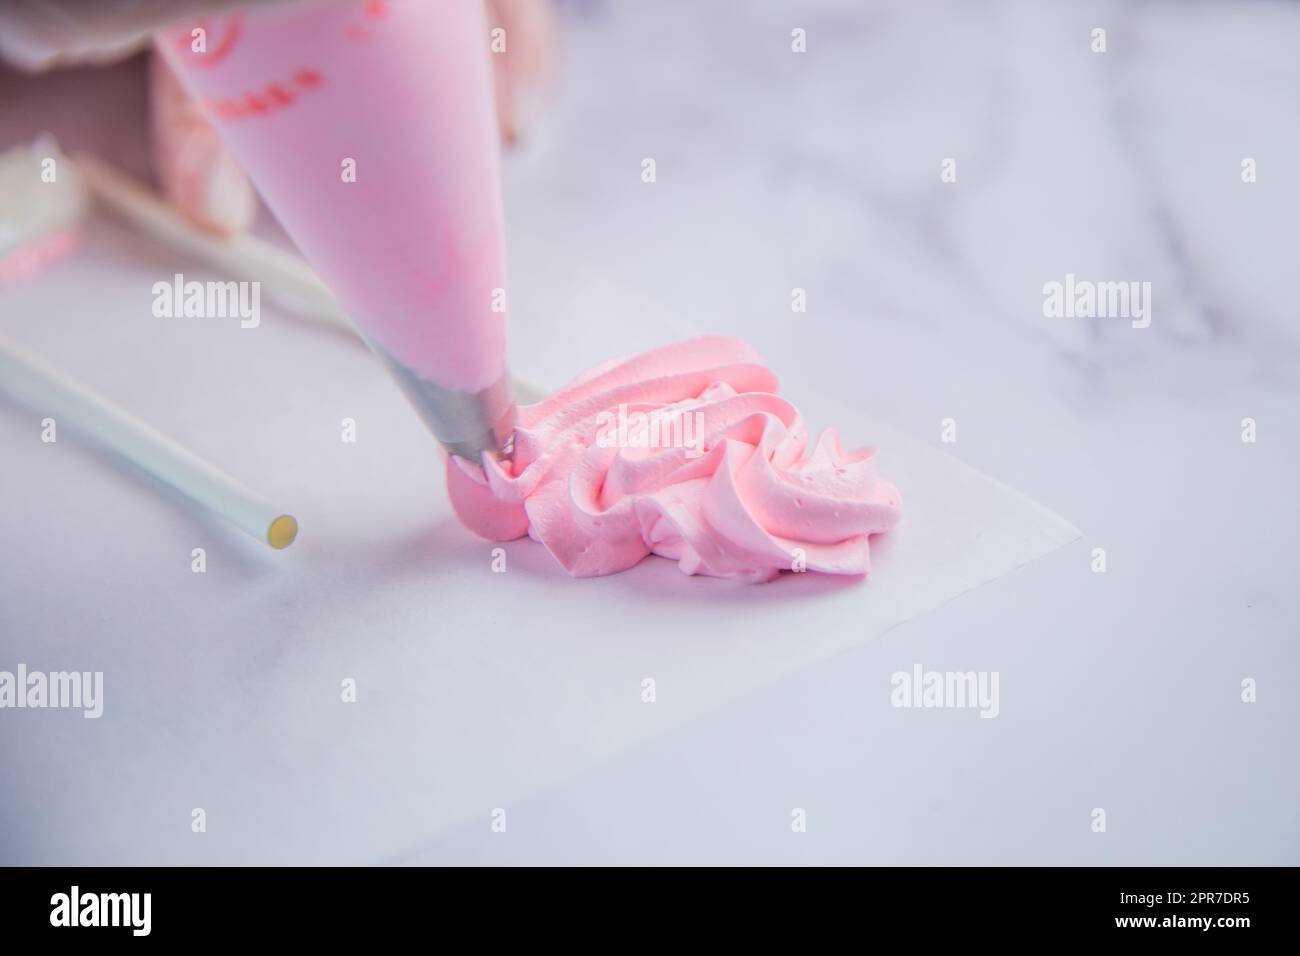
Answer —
223 689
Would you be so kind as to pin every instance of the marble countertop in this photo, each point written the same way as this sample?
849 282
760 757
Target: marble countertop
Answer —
822 171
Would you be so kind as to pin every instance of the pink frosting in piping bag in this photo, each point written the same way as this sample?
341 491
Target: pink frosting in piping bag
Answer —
686 452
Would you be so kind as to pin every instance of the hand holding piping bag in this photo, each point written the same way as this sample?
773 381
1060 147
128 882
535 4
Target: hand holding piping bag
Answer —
196 171
402 93
204 181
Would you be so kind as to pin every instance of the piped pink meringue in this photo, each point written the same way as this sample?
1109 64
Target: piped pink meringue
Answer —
685 452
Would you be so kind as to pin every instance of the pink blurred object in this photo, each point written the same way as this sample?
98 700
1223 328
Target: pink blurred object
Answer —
27 261
199 176
43 201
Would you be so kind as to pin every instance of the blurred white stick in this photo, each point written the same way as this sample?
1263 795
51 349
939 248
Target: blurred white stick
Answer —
285 276
51 393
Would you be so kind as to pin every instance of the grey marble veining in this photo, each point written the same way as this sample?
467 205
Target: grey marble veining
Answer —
822 169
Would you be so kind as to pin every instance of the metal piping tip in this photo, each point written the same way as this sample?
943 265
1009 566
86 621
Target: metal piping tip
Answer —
465 423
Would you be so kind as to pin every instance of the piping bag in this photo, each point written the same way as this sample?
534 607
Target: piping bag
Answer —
369 130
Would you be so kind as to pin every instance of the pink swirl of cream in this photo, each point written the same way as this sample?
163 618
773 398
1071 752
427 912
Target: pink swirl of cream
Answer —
685 452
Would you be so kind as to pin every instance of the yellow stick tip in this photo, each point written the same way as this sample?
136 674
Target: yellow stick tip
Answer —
282 532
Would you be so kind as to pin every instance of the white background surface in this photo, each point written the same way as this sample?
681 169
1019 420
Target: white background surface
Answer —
1118 690
222 690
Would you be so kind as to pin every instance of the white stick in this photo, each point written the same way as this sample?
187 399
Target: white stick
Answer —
285 276
53 394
